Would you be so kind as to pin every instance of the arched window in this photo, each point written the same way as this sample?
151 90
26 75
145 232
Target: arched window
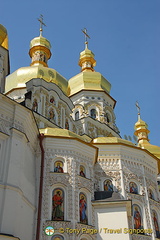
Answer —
58 167
156 225
93 113
57 237
83 208
108 186
82 171
133 188
77 115
137 217
58 204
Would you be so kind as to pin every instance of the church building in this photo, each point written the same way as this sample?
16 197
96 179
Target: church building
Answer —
65 171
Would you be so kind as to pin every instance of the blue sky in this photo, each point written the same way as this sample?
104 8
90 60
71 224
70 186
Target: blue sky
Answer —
125 38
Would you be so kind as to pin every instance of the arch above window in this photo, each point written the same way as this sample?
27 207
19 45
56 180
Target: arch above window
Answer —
57 237
85 237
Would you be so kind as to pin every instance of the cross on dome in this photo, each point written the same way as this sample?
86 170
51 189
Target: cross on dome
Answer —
138 109
41 24
86 37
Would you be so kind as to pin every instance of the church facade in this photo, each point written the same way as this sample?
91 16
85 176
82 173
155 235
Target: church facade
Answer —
65 171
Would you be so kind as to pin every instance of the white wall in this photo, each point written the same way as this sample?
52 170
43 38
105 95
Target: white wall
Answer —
18 183
112 216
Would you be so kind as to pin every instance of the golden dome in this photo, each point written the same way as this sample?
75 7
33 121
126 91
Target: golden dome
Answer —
19 78
86 60
140 124
40 41
88 80
3 37
141 131
40 51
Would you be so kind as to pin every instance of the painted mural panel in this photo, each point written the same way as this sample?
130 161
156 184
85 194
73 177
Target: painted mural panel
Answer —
156 225
67 124
58 205
137 217
52 100
35 105
83 208
133 188
82 172
108 186
58 167
52 115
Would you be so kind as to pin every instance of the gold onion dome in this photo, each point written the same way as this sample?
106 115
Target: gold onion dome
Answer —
88 79
40 54
21 76
40 51
86 60
141 131
3 37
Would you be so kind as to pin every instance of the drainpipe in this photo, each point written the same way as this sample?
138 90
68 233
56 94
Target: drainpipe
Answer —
41 137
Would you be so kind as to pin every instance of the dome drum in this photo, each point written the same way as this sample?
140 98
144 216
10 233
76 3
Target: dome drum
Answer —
39 54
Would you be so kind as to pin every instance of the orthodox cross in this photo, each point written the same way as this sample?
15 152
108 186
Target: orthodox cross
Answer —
41 24
86 36
138 107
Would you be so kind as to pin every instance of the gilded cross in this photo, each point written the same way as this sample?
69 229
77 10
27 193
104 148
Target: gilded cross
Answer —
86 36
41 24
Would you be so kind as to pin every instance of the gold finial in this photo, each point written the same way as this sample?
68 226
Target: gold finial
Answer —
138 109
86 37
41 24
